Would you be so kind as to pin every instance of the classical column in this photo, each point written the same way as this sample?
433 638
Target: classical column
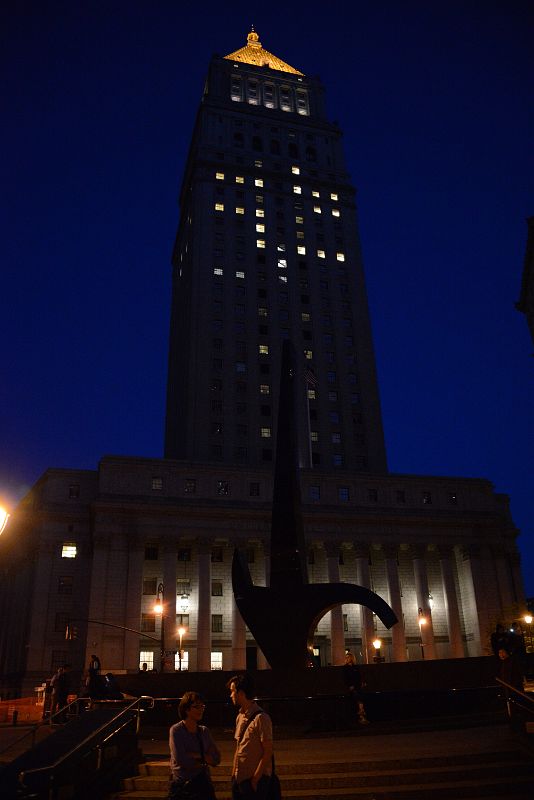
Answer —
446 555
204 607
504 582
170 556
517 578
363 578
40 594
134 588
337 637
260 658
398 636
424 618
475 615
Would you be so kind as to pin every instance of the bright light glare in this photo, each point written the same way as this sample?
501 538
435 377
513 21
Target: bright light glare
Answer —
181 631
528 619
158 607
377 644
4 516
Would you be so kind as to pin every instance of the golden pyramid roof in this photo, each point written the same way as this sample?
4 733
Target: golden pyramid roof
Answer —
253 53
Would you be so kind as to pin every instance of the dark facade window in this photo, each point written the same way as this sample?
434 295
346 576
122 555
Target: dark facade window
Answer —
157 484
190 486
150 586
61 621
314 492
148 623
216 589
216 623
223 488
453 499
216 555
401 496
254 489
427 498
343 494
64 584
184 554
74 491
151 552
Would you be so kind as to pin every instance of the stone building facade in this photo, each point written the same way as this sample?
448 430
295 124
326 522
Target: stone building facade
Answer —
97 545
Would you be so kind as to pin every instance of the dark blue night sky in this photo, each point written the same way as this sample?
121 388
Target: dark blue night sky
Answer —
435 100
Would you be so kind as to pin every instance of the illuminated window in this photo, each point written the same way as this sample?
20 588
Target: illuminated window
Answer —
317 209
146 657
68 550
297 189
281 247
217 271
320 254
295 170
315 193
258 182
312 395
333 196
216 661
265 388
183 664
308 354
262 312
282 263
260 212
264 349
282 278
239 179
336 438
340 256
259 198
314 436
265 433
260 228
301 250
260 243
300 234
219 206
299 220
239 210
305 317
240 274
336 212
219 176
258 163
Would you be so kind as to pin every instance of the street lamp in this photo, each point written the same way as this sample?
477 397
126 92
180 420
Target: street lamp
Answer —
181 632
158 609
377 644
422 621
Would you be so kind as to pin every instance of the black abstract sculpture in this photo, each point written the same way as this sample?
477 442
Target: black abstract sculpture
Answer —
283 617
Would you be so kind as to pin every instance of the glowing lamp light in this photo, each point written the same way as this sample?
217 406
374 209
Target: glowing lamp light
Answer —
4 516
158 607
377 644
528 619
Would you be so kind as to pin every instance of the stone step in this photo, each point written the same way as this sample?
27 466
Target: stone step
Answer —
508 778
161 768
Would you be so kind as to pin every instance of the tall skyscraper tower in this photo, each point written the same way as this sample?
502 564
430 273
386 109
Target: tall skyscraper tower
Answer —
267 249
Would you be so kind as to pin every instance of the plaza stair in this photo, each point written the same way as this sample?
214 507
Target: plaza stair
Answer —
383 767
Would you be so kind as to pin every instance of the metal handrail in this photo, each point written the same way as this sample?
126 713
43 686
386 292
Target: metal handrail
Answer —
517 691
93 735
43 723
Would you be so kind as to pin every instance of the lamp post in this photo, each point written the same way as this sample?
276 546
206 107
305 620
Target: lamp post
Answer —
159 609
422 621
181 632
528 620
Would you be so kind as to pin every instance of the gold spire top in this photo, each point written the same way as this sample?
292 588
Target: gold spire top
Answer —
253 53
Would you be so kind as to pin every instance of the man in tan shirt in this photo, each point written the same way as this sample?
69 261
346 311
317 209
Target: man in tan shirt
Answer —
254 743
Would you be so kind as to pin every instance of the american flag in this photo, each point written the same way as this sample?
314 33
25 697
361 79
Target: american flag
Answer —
310 377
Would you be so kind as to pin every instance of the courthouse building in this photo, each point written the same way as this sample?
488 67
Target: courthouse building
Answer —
267 249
